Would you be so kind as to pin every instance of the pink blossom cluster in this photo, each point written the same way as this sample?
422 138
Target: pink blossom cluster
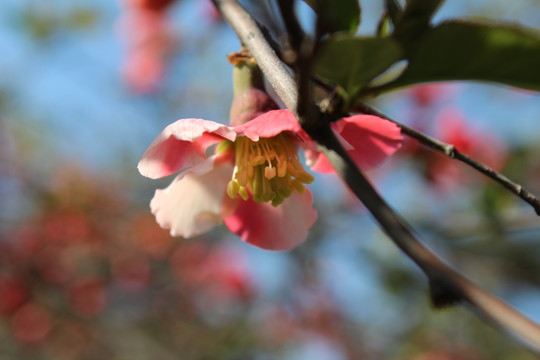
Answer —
85 248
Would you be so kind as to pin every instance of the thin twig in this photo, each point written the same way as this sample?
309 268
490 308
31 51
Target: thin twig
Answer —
300 49
446 284
445 148
450 151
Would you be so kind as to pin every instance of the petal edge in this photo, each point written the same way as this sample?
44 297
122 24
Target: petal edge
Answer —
180 145
274 228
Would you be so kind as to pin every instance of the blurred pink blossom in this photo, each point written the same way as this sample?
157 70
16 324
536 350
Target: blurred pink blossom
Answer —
31 323
425 95
148 4
222 274
87 296
145 29
452 127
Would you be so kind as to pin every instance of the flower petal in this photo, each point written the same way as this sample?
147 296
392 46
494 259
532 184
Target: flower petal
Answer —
269 124
373 139
193 203
182 144
274 228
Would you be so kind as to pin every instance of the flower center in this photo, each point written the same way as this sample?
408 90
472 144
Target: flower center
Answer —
269 169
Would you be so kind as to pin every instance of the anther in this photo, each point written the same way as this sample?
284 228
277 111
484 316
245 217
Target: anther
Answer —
269 172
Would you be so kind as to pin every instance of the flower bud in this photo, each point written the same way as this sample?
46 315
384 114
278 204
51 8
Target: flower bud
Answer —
248 104
250 97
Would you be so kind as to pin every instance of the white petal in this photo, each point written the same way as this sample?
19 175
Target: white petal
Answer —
193 203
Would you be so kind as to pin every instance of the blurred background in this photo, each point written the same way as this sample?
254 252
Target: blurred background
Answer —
85 273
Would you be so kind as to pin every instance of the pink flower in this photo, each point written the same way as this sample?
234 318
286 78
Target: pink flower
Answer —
253 181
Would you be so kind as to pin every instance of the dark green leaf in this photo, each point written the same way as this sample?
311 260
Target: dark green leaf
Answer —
337 15
351 62
420 9
394 10
468 51
384 26
415 19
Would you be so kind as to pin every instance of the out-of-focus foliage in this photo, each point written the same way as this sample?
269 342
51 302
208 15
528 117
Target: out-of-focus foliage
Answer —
504 54
85 273
337 15
415 19
43 22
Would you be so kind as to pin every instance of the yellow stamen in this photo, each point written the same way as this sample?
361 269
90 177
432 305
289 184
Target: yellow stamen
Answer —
269 169
282 169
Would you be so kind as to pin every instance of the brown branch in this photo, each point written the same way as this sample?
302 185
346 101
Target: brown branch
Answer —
446 284
453 153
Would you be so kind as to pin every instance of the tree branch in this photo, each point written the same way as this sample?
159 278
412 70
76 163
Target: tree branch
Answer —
447 285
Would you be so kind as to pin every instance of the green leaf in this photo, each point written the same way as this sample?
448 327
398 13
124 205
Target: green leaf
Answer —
420 9
337 15
384 26
415 19
394 10
505 54
351 62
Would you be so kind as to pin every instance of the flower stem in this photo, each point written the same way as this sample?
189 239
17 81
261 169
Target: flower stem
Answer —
246 73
